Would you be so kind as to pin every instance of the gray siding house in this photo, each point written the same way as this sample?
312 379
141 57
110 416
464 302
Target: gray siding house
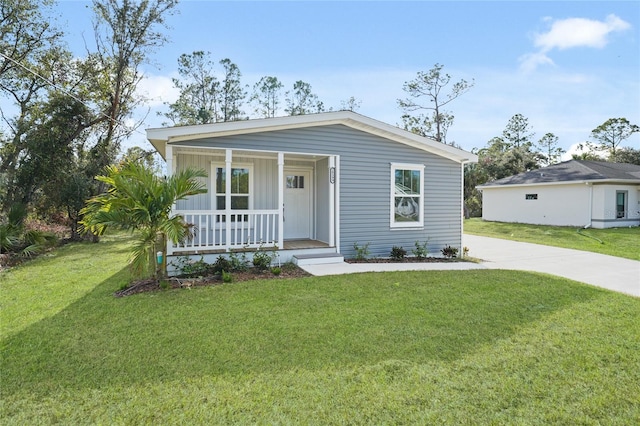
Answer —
315 185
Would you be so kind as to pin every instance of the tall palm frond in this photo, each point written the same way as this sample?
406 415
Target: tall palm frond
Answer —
138 200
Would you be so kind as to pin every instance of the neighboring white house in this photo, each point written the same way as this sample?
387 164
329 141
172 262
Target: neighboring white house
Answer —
316 185
573 193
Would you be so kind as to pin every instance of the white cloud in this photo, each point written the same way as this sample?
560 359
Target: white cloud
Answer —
570 33
579 32
157 89
580 148
530 61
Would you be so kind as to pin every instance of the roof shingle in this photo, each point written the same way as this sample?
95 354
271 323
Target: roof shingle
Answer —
573 170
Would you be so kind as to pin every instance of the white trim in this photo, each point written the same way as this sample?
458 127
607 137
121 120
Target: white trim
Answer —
160 137
392 200
218 165
332 201
309 156
170 171
337 205
227 193
564 182
281 200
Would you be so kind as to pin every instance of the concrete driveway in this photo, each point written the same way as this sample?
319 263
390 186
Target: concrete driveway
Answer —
613 273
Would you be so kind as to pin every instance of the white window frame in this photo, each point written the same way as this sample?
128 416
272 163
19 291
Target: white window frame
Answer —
214 169
392 217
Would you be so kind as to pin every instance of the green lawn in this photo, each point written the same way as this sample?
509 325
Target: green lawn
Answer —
620 242
442 347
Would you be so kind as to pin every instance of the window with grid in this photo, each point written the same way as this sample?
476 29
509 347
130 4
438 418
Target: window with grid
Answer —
407 195
241 195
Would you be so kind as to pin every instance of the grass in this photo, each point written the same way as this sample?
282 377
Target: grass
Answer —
441 347
620 242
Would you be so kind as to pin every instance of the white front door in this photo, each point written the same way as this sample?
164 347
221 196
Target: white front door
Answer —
297 204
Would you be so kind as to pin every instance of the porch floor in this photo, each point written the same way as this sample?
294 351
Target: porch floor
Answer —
304 244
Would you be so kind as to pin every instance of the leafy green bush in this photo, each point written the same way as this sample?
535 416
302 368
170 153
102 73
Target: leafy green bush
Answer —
190 268
221 264
398 253
420 251
276 271
239 262
262 260
362 253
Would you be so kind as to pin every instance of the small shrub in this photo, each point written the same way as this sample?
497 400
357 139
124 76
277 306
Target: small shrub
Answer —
221 264
227 277
276 271
449 252
362 253
398 253
165 285
190 268
262 260
420 251
239 262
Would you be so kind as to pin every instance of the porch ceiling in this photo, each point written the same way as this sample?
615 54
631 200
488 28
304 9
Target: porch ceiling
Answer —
220 152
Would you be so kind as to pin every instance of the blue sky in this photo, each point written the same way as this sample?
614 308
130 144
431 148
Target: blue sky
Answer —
566 66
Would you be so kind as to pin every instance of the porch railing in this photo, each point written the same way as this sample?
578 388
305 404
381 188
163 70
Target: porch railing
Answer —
217 230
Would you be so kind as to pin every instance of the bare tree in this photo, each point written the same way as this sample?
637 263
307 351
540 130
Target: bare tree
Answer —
199 88
611 133
351 104
426 92
266 96
550 149
301 100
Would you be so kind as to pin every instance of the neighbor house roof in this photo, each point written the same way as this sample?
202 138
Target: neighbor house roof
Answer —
573 171
160 137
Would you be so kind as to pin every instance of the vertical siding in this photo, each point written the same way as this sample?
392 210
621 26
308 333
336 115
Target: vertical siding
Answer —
265 180
200 201
365 184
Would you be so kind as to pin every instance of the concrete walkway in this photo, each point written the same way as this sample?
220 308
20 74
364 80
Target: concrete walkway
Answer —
610 272
613 273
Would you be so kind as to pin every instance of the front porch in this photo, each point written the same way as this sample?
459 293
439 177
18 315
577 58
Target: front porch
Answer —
273 200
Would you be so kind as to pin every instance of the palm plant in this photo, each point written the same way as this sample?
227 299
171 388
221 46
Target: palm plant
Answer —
139 201
15 238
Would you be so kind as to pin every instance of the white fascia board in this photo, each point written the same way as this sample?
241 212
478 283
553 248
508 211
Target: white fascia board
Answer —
161 136
529 185
564 182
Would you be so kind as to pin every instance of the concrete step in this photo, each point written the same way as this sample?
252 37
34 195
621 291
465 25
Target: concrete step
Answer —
317 259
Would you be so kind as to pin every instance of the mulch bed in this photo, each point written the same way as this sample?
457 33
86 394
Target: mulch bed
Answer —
290 271
150 285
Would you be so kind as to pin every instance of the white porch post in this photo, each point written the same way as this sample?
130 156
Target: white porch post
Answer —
336 200
169 159
332 201
170 165
280 200
227 197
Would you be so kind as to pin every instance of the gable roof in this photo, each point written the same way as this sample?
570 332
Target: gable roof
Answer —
160 137
573 171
